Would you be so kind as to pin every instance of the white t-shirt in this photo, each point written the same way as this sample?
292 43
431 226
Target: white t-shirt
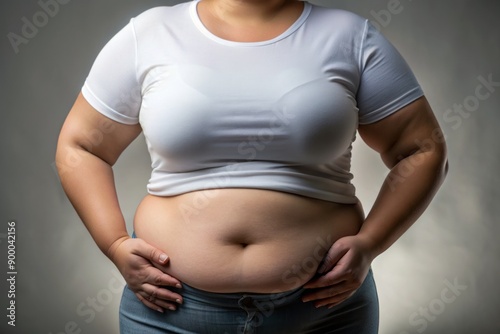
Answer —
279 114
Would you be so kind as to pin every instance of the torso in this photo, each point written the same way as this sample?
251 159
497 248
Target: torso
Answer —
252 240
236 239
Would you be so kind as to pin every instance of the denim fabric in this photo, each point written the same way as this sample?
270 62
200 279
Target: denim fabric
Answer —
250 313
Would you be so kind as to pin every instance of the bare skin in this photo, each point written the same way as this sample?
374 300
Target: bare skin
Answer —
230 240
249 21
242 239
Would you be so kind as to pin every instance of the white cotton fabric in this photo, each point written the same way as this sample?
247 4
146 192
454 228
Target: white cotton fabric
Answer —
279 114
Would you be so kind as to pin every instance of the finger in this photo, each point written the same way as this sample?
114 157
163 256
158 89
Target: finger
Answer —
156 303
157 277
149 304
153 293
151 253
335 276
337 300
327 292
328 297
334 254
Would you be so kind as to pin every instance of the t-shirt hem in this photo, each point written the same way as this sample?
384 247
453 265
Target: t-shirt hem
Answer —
326 189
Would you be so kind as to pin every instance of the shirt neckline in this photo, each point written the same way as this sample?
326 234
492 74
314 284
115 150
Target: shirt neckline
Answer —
201 27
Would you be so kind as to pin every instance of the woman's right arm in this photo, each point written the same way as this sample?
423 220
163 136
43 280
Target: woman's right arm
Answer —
89 144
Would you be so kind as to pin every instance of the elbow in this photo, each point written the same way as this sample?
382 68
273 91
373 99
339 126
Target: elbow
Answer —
446 167
443 152
67 157
70 154
443 171
442 164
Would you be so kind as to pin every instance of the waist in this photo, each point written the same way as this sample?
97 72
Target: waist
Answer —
253 240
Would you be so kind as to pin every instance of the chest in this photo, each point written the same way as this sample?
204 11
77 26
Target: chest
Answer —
249 109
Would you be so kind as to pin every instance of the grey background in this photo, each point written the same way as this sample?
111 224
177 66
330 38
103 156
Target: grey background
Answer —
64 285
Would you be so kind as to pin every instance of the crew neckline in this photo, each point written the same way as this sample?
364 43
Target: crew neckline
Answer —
201 27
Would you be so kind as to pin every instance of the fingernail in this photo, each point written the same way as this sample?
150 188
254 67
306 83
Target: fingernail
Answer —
171 308
163 257
159 310
178 301
178 286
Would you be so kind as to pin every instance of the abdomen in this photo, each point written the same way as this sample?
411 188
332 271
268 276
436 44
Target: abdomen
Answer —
251 240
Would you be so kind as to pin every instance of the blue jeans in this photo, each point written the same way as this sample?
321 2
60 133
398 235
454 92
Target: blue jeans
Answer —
244 313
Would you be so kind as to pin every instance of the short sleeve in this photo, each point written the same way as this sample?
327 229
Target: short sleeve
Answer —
111 86
387 83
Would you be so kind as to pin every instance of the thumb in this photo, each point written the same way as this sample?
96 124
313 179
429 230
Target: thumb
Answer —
151 253
334 254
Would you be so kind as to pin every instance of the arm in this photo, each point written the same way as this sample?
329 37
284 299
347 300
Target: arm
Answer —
412 145
89 144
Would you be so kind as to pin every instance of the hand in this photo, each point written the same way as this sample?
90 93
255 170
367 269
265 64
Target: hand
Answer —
342 272
142 267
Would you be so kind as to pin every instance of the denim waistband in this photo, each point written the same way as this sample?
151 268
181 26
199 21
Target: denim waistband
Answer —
247 300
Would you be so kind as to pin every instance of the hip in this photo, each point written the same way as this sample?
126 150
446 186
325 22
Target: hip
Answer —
207 312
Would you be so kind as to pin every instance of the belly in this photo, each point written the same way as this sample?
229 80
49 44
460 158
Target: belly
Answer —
244 240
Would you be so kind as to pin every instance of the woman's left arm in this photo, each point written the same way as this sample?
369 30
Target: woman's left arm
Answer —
412 145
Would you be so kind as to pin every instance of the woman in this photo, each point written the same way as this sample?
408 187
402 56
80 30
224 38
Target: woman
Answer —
249 109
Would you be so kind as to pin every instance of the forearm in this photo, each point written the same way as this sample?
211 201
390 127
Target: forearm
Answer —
89 184
405 194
